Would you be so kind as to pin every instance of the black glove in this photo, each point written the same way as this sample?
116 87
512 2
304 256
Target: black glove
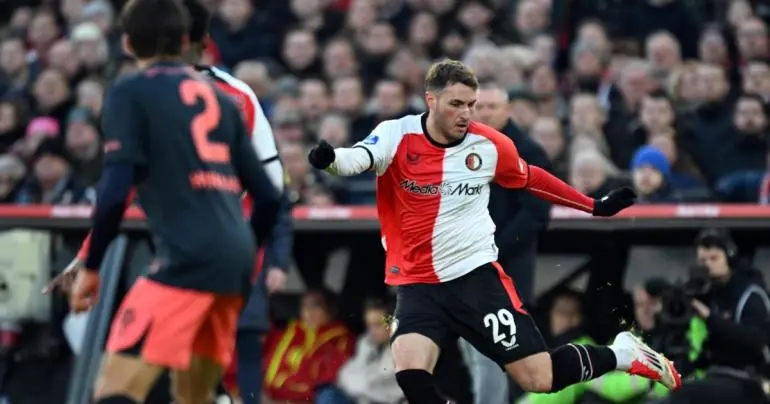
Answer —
614 202
321 156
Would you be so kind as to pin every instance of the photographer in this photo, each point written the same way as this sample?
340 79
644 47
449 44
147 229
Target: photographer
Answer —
736 310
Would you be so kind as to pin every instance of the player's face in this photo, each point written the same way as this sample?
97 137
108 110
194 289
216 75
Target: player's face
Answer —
453 108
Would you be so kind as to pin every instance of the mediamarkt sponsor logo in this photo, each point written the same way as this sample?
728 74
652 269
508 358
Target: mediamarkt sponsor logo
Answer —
444 188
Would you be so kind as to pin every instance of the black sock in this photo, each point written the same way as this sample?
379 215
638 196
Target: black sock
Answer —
575 363
116 400
419 387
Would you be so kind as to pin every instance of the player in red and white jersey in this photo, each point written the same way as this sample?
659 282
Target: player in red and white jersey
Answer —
433 175
262 138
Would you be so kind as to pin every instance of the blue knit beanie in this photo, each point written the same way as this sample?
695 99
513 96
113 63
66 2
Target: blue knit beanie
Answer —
651 156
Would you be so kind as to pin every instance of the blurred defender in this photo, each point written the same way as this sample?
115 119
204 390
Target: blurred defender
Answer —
171 133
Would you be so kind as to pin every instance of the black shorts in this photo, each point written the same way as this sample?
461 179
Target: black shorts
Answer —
482 307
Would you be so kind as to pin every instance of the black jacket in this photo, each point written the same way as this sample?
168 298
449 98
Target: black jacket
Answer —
277 254
519 215
739 320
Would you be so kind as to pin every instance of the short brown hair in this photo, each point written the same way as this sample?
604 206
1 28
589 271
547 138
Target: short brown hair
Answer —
448 72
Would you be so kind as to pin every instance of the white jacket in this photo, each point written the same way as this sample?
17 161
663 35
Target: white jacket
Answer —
369 376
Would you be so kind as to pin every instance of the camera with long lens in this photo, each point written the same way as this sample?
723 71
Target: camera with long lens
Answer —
673 319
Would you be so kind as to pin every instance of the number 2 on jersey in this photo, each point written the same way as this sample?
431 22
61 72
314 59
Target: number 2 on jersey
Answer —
203 123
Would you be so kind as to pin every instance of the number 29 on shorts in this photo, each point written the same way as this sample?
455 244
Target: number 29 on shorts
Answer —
505 336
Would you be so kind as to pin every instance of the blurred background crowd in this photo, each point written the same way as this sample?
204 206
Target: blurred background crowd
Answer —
666 95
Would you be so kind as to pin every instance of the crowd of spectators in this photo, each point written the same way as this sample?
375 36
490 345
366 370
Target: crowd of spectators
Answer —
666 95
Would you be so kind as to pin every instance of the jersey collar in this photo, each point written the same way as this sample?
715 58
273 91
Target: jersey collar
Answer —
424 124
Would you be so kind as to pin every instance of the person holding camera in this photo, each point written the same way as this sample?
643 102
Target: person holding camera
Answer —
736 310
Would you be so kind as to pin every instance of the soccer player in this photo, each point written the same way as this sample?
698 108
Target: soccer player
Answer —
183 143
258 127
434 172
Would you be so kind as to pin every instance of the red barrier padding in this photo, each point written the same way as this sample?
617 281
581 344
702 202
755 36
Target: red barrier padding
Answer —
727 211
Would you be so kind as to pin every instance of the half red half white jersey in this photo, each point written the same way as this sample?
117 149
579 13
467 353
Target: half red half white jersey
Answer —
262 138
432 199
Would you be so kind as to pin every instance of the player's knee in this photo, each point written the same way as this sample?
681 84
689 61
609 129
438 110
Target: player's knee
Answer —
533 373
414 351
125 376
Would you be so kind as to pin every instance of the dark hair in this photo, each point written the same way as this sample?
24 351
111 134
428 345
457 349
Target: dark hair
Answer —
448 72
51 147
13 37
298 29
327 297
754 97
155 27
717 238
380 304
592 21
656 286
660 95
199 20
567 293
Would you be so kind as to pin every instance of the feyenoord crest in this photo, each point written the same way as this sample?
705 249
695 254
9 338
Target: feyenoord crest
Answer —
473 161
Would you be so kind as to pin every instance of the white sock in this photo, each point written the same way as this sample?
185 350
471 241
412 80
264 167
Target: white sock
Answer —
624 355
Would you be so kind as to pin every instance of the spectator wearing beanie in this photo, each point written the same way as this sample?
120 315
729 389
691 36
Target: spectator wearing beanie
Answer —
38 129
651 174
83 146
51 180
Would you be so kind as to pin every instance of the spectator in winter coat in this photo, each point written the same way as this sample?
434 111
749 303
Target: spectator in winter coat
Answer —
368 377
